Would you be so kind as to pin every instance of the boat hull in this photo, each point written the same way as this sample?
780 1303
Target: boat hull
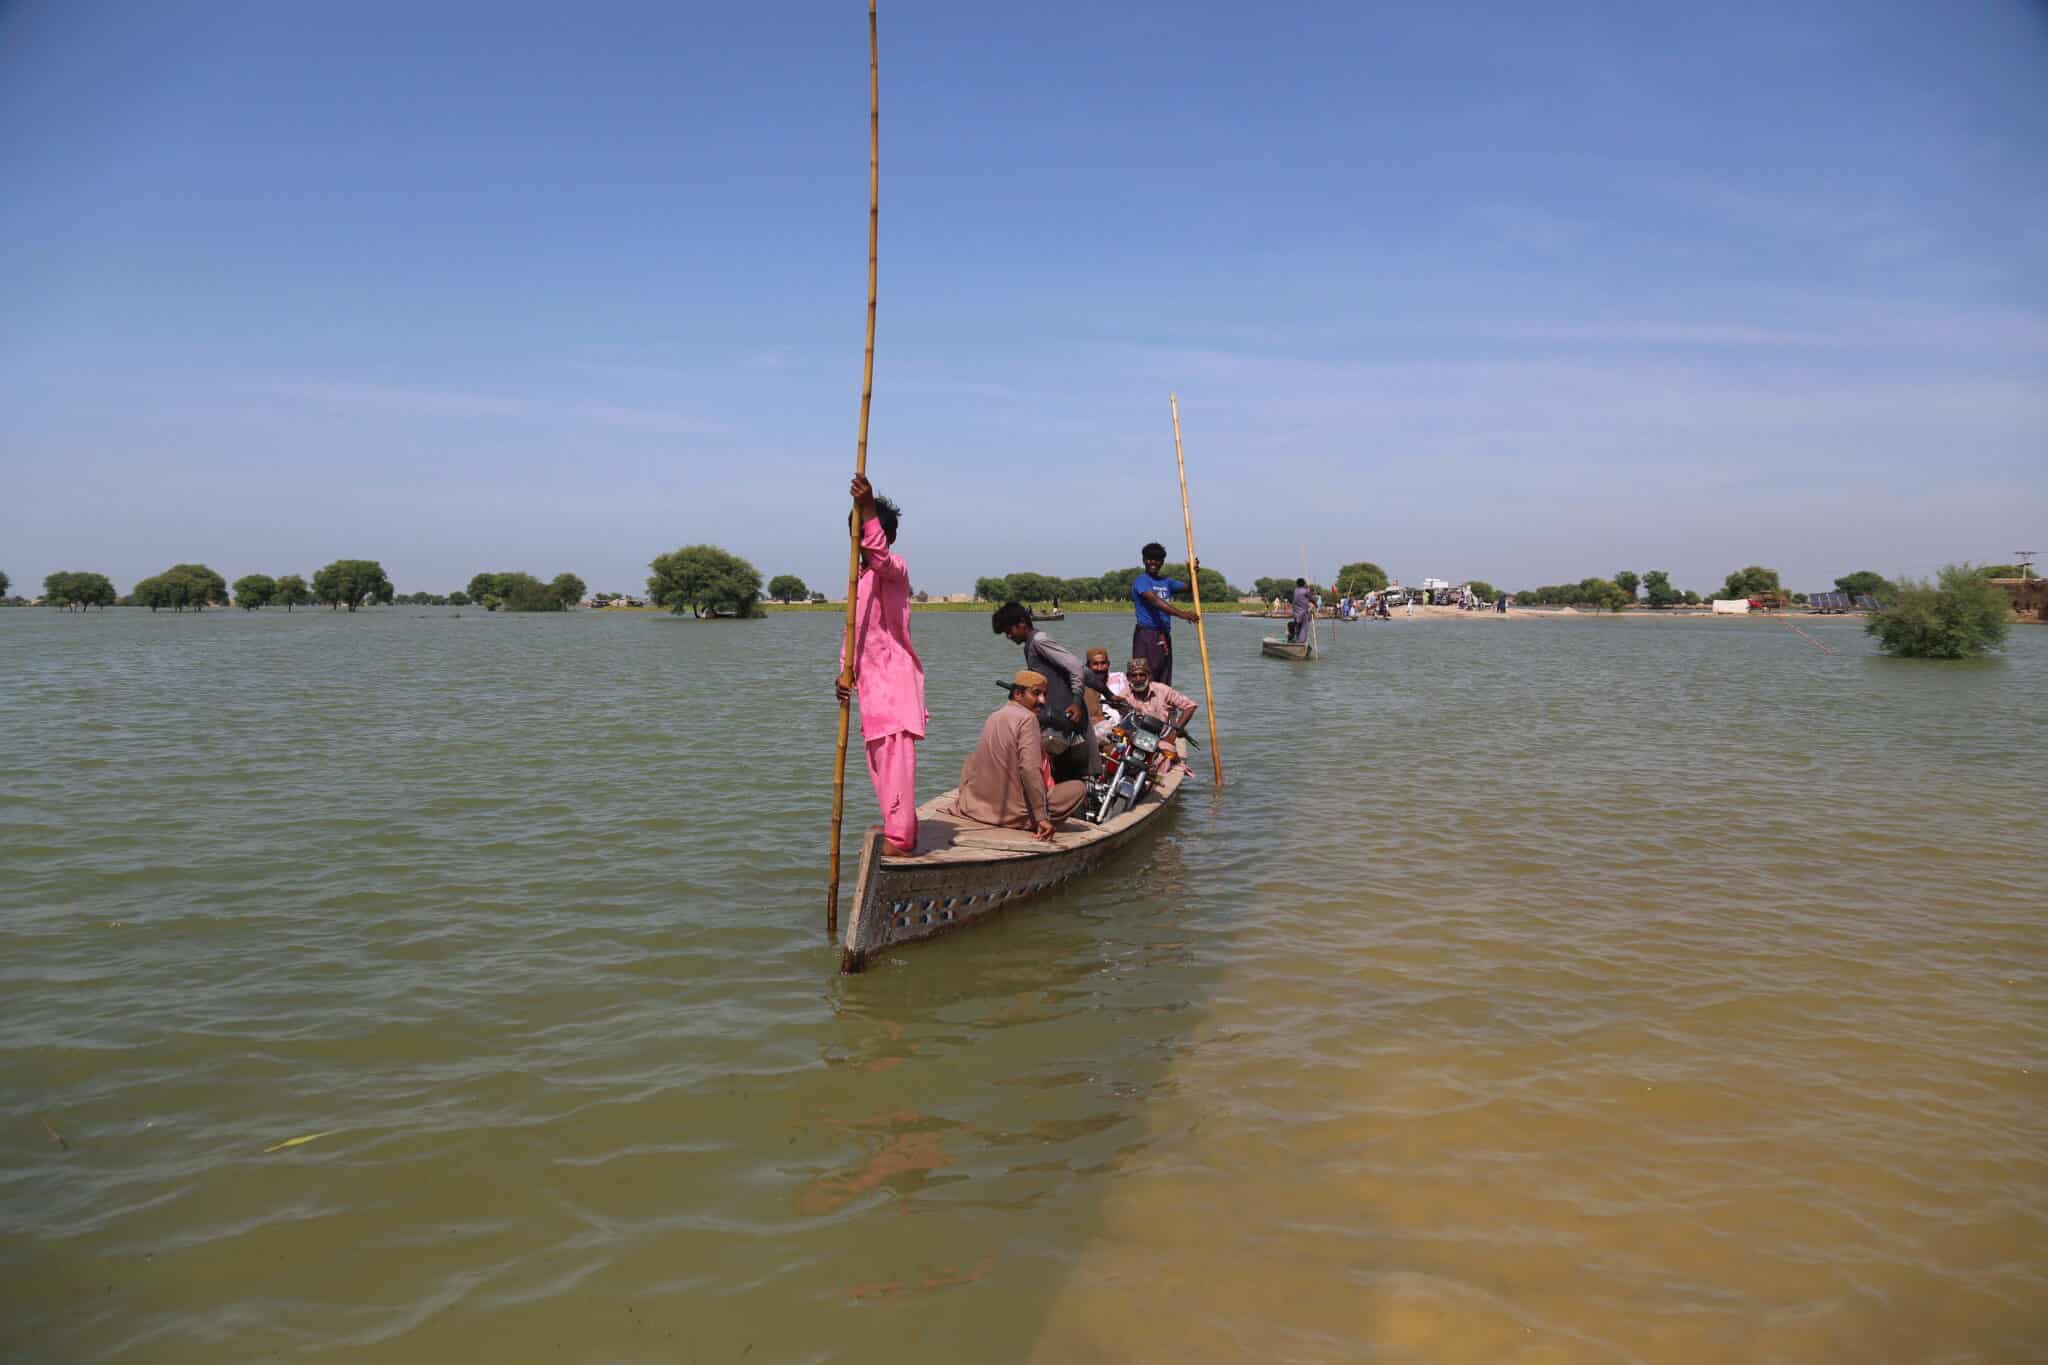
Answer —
1283 649
965 872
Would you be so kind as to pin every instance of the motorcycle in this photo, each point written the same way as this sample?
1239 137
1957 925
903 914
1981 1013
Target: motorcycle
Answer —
1127 761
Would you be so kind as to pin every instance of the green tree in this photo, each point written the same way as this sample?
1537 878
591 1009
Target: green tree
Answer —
704 579
524 592
1627 581
5 583
1657 588
182 586
568 589
171 589
458 598
1035 587
1958 616
292 591
485 585
787 587
75 591
992 589
209 589
1482 589
1355 580
1216 589
1270 588
352 582
1692 599
1750 582
254 590
2000 571
1866 582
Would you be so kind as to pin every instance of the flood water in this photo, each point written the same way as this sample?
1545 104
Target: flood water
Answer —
1536 990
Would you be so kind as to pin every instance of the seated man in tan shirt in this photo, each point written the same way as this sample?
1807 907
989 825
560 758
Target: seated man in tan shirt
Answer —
1007 781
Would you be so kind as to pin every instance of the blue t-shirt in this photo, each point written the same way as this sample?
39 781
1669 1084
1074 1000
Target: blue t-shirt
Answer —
1149 614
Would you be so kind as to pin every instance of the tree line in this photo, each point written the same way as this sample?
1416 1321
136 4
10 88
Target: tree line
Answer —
1113 586
707 580
522 592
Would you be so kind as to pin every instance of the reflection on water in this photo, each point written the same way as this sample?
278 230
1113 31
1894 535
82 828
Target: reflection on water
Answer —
1536 990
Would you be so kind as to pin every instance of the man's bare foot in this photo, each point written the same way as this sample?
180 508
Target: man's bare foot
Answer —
896 850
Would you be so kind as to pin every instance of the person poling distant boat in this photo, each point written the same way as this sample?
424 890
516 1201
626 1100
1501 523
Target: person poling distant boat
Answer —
1304 611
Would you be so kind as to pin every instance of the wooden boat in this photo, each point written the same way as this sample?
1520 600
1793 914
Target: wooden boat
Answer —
1050 614
964 872
1286 649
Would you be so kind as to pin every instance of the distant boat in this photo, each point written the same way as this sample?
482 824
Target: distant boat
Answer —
1049 614
966 871
1286 649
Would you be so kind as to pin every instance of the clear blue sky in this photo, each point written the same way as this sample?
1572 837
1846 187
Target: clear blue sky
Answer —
1523 292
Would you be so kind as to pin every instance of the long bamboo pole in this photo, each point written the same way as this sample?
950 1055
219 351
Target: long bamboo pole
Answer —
1187 519
850 649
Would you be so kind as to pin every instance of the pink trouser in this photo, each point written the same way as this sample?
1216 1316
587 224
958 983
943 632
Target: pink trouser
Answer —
892 767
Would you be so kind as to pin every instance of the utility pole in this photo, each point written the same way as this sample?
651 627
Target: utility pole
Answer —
2026 559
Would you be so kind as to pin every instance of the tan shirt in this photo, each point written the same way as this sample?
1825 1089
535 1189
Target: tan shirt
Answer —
1159 702
1003 782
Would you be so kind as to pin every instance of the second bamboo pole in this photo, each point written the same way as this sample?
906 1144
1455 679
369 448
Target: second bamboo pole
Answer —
1187 518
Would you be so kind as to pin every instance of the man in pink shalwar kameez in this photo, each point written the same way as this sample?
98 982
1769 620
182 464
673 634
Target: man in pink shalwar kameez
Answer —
887 673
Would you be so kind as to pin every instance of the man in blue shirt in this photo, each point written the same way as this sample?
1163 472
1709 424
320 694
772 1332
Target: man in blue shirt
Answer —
1152 639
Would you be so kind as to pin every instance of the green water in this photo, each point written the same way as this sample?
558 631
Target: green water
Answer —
1538 990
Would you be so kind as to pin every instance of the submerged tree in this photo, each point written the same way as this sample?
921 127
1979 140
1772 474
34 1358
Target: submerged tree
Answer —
254 590
1626 580
77 591
208 588
352 582
1960 615
292 591
568 589
705 580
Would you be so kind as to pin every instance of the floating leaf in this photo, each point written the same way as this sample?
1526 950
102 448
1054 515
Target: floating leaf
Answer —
294 1142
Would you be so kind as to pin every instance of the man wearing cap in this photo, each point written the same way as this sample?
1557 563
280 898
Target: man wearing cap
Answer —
1148 696
1063 722
1006 781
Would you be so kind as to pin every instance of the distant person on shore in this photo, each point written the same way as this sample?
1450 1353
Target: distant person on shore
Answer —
1500 604
1006 781
887 672
1065 718
1304 608
1153 597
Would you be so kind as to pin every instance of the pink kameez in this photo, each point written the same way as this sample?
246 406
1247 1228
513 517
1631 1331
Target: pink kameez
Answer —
889 680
